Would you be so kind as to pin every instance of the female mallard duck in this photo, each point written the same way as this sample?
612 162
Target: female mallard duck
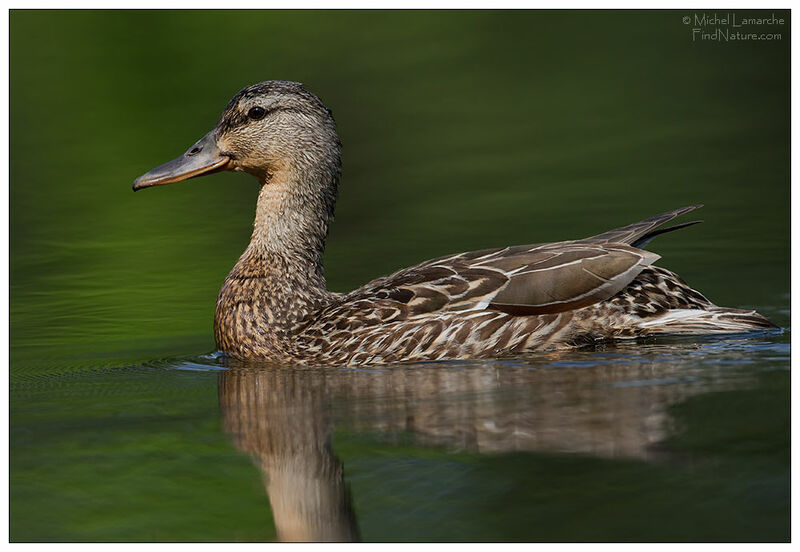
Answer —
496 302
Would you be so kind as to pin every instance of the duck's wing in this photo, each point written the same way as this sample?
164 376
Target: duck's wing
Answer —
637 235
523 280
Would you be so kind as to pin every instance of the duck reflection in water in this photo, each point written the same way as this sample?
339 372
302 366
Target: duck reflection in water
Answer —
284 417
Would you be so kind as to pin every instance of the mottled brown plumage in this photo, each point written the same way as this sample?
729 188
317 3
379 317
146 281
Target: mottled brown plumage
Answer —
274 304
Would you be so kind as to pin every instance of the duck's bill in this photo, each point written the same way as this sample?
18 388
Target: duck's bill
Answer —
203 157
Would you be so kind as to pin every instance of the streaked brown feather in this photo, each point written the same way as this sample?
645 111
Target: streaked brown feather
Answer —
536 279
586 276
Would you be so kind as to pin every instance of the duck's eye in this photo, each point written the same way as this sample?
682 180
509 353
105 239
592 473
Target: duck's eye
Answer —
257 112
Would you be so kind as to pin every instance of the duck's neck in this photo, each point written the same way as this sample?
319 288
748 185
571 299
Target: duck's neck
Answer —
294 210
278 282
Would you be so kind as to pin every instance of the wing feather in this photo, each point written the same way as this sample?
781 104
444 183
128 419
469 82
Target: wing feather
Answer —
522 280
548 279
600 273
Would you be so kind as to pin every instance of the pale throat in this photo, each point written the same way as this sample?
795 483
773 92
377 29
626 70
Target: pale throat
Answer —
289 230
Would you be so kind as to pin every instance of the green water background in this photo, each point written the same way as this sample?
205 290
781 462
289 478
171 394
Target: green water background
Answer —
461 130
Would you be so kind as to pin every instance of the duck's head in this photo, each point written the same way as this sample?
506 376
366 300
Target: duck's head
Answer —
267 128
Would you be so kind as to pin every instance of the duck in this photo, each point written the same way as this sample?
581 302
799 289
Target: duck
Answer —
494 303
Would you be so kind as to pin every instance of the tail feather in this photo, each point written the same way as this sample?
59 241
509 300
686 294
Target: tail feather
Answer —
715 320
647 238
643 231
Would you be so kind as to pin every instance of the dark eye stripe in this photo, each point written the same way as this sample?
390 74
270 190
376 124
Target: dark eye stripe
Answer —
236 118
276 109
